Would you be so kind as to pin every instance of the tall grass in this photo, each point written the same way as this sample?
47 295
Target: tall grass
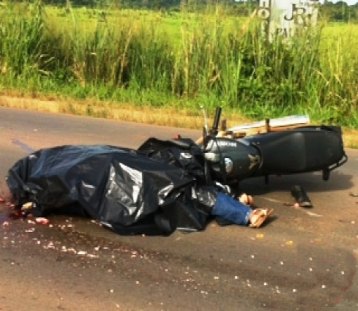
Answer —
180 59
21 40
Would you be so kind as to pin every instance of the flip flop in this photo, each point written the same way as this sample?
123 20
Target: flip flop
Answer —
258 217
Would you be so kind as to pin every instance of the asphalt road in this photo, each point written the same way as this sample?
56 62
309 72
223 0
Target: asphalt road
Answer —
303 259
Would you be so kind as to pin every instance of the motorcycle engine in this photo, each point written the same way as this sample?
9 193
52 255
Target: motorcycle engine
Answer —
231 159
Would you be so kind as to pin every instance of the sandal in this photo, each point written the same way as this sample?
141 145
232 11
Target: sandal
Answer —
258 217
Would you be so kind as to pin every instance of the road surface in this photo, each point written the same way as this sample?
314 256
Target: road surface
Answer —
303 259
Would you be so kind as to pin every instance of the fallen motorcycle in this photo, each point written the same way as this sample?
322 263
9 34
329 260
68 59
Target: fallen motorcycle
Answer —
167 185
272 147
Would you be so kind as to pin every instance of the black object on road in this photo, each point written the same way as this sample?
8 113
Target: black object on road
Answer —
129 191
235 155
301 196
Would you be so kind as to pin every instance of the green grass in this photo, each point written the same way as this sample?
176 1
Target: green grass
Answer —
180 60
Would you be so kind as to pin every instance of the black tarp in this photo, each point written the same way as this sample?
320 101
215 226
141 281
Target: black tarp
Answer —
154 190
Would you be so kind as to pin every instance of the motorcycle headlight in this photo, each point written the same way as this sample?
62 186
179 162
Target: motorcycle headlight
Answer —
229 165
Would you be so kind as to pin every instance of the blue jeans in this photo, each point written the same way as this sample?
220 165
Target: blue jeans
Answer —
231 210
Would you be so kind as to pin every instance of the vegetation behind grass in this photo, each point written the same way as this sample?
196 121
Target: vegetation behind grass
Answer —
179 60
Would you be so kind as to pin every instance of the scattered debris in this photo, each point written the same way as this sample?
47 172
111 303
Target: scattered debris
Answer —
42 220
313 214
260 236
27 207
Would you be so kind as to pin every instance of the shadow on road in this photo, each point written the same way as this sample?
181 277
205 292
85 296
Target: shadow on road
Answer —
312 182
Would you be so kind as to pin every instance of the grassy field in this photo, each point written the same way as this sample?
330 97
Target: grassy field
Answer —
177 61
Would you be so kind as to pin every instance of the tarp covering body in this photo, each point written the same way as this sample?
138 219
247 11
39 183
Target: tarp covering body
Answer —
149 190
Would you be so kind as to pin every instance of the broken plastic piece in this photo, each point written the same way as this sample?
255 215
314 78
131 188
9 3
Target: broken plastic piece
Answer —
301 196
42 221
27 206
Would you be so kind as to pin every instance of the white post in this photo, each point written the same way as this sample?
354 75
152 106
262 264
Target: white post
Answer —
285 17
